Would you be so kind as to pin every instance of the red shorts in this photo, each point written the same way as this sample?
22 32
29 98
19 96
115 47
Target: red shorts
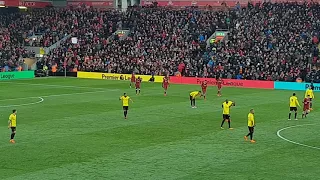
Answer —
219 86
133 80
165 86
138 86
306 108
204 91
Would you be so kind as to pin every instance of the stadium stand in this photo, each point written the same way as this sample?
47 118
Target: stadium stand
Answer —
265 41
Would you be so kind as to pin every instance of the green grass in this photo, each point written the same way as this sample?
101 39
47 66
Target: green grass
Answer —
78 132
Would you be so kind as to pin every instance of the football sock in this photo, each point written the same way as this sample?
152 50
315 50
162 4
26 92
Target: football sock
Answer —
251 136
139 91
295 115
229 123
289 115
136 91
12 135
125 113
222 123
310 104
191 102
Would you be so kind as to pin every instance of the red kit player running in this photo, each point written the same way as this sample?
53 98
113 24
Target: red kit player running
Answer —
133 79
165 85
138 85
306 106
219 85
204 86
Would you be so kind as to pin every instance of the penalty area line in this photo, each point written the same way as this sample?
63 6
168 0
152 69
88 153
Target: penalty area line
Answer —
293 142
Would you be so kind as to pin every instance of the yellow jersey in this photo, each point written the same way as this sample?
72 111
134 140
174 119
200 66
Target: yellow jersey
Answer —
13 120
310 93
294 101
125 100
226 107
250 120
194 94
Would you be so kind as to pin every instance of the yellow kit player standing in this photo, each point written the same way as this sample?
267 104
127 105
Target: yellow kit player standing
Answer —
125 104
226 112
13 124
294 103
309 94
251 124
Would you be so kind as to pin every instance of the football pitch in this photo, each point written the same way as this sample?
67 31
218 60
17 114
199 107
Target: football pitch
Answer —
70 128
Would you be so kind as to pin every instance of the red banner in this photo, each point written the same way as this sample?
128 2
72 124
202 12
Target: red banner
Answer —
35 4
226 82
90 3
11 3
26 3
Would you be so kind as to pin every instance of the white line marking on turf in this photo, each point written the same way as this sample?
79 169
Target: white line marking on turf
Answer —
53 95
62 86
293 142
17 105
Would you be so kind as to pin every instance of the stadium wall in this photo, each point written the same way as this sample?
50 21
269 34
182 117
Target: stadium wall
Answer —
113 76
16 75
295 86
226 82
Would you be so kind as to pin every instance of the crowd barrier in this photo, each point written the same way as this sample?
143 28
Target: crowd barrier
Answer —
225 82
295 86
16 75
112 76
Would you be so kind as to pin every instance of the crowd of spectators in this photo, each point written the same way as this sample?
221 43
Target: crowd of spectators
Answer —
12 51
264 41
92 28
160 39
270 42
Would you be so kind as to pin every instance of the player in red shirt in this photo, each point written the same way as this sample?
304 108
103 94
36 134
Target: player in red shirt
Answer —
133 79
306 106
138 85
165 84
219 85
204 86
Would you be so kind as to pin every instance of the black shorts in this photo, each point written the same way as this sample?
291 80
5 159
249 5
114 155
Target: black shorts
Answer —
294 109
125 108
191 98
251 129
310 99
13 129
226 116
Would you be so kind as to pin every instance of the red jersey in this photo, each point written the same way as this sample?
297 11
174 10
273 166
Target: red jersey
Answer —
219 83
306 104
133 78
138 83
204 85
165 81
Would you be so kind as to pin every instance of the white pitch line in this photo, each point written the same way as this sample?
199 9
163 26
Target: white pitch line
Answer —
53 95
17 105
62 86
293 142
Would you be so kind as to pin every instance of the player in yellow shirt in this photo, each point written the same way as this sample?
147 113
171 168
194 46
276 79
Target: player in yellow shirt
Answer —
226 112
193 96
251 124
309 92
125 104
13 125
294 103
